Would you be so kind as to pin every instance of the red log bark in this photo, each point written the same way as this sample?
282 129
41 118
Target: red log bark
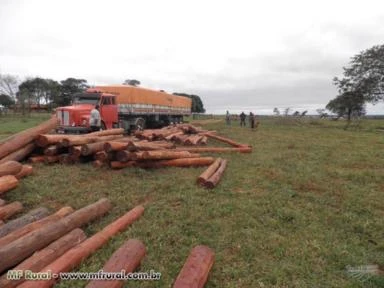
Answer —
194 273
165 155
209 172
19 154
16 251
11 209
127 258
215 149
10 168
215 178
7 183
25 171
37 159
25 137
225 140
73 257
182 162
45 256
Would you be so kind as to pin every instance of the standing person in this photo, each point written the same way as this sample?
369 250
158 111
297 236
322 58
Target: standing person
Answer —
95 119
252 120
228 118
242 119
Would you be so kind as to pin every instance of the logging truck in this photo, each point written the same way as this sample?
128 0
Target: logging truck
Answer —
123 106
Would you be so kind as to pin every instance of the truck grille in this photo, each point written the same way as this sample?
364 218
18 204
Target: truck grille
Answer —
63 117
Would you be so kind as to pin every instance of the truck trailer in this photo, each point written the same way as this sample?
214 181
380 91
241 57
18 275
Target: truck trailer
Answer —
123 106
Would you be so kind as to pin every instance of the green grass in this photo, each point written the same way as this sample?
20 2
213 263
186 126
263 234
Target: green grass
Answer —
307 203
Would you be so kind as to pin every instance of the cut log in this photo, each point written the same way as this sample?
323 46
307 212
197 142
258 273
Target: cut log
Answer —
98 164
25 171
44 140
52 150
75 151
196 269
7 183
116 146
65 159
209 172
10 168
2 202
204 140
19 154
127 258
182 162
193 140
165 155
120 165
23 138
225 140
135 146
51 159
124 156
16 251
11 209
16 234
92 148
109 132
215 178
180 138
85 139
37 159
171 136
101 156
215 149
76 255
32 216
45 256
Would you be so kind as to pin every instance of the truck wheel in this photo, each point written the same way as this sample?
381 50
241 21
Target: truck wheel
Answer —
140 124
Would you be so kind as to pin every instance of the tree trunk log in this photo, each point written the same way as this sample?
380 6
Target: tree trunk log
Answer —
124 156
16 234
215 178
98 164
19 154
25 171
51 159
182 162
23 138
75 151
196 269
37 159
209 172
120 165
43 140
74 256
53 150
16 251
10 168
42 258
11 209
2 202
116 146
7 183
92 148
86 139
109 132
165 155
127 258
215 149
225 140
30 217
135 146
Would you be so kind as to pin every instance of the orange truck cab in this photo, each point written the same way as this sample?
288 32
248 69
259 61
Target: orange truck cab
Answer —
122 106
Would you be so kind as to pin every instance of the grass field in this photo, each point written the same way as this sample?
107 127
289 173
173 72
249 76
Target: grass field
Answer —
306 204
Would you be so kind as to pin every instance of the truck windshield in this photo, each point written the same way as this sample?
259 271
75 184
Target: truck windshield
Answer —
86 98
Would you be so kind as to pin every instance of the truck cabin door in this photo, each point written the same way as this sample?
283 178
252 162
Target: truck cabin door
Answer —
108 111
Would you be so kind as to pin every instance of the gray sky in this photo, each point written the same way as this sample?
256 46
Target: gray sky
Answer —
237 55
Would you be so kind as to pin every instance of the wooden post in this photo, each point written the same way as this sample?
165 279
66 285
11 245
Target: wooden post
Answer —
9 210
209 172
196 269
25 171
7 183
16 234
23 138
215 178
10 168
127 258
16 251
73 257
33 215
45 256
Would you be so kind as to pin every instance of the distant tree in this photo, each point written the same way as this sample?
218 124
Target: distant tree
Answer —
38 91
6 100
197 104
296 113
276 111
347 104
9 85
69 87
286 111
132 82
304 113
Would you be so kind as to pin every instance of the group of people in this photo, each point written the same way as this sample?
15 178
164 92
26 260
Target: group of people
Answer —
243 117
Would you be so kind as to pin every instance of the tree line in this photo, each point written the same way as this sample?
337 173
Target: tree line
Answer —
47 93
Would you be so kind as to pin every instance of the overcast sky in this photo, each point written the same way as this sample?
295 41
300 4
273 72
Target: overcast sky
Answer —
237 55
